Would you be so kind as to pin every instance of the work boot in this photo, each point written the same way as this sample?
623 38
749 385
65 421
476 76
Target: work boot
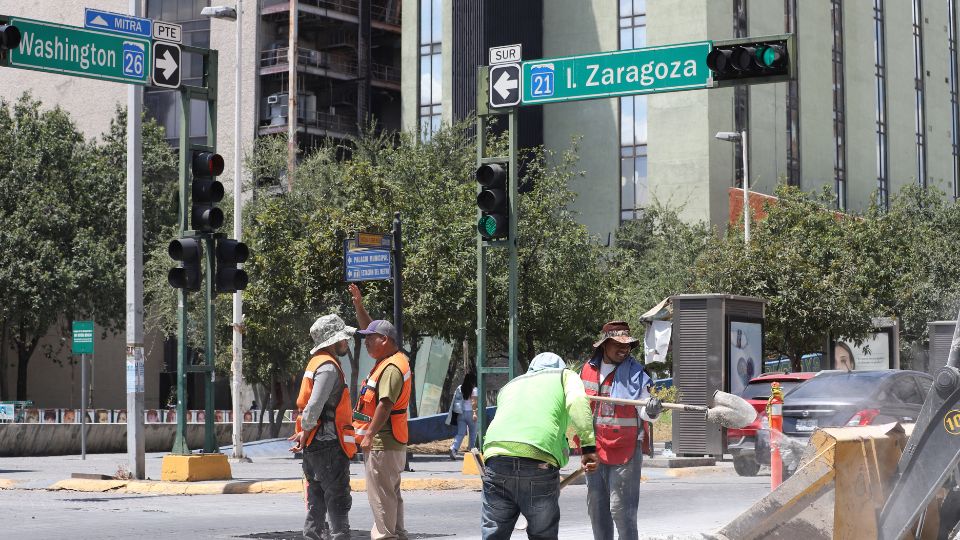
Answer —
453 454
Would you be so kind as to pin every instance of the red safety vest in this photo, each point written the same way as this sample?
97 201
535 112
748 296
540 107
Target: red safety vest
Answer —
616 426
343 413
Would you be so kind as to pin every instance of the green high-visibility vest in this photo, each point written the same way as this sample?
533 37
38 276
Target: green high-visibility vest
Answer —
531 409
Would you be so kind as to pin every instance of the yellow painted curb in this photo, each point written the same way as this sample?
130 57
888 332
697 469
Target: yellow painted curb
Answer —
7 483
194 468
694 471
249 487
470 465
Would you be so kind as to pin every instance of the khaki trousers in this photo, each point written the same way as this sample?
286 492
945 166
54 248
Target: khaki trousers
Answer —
382 470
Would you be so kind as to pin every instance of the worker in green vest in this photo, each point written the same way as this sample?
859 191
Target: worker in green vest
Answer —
526 445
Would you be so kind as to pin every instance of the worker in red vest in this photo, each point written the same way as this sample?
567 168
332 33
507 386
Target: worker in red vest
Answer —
613 490
380 419
325 433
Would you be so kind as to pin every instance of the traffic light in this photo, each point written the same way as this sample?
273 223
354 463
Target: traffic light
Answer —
230 253
9 37
206 191
187 251
493 201
752 60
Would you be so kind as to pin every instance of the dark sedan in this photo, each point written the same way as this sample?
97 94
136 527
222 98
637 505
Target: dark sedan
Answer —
846 398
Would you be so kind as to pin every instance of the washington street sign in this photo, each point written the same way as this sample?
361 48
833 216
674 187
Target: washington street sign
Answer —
70 50
618 73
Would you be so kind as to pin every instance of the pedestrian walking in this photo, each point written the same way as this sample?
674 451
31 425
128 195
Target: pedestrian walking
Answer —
526 445
324 432
613 490
463 413
380 420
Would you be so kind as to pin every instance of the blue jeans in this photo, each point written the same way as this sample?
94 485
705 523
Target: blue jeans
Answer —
514 486
613 496
465 421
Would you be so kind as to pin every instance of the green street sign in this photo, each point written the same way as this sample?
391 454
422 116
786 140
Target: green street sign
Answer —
618 73
82 337
71 50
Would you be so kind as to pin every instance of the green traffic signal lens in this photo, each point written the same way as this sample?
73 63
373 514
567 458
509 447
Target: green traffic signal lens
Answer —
770 56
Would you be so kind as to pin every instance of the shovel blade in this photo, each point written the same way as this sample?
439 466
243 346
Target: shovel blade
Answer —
731 411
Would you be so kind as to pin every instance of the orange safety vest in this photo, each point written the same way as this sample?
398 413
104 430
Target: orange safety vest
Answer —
616 426
367 403
345 432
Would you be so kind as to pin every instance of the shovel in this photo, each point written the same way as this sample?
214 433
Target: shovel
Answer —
728 410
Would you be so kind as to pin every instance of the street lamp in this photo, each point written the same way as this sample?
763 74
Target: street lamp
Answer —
733 136
235 14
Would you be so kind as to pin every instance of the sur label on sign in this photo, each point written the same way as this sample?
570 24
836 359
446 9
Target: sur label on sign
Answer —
58 48
619 73
505 54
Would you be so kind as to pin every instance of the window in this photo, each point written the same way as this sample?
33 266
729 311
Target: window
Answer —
793 105
954 91
839 107
431 67
880 74
164 105
741 93
919 92
634 187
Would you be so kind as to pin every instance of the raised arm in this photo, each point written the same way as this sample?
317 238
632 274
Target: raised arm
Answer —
363 318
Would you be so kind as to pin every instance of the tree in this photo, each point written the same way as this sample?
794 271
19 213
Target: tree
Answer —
798 260
58 218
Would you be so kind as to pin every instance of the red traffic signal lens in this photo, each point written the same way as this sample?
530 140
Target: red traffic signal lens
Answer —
207 164
491 175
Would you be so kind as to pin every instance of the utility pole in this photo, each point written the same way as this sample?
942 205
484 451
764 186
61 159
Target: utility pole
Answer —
237 367
134 364
292 58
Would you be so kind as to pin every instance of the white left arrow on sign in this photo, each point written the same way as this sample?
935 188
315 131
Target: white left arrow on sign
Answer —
504 84
168 64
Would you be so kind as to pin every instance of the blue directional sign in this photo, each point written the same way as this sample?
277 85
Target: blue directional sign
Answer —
365 264
117 23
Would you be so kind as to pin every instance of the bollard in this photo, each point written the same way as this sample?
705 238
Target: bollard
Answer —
775 416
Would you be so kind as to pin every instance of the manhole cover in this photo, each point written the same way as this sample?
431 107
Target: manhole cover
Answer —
354 535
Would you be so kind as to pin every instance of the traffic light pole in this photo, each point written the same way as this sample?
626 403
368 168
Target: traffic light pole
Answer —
207 94
484 117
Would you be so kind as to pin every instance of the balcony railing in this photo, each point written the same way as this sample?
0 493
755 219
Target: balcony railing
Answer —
325 60
389 14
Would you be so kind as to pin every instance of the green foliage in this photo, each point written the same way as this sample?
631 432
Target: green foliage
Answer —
62 224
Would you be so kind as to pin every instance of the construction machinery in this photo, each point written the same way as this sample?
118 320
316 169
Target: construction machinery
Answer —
889 482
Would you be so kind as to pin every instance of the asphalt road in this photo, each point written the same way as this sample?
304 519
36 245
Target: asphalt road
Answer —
670 507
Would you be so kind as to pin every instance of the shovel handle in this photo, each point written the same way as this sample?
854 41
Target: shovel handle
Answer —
642 402
571 477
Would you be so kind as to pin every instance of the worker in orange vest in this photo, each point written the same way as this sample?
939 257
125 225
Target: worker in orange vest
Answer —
380 420
325 433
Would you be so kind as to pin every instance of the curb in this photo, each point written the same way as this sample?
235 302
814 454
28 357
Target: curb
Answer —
695 471
243 487
6 483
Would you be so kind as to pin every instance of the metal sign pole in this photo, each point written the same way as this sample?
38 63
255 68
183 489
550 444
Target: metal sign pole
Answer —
83 406
512 242
135 429
398 279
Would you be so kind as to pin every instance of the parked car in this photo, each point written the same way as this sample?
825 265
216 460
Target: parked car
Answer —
846 398
741 443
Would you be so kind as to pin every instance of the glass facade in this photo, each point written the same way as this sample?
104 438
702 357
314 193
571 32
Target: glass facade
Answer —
634 187
917 11
954 91
431 66
793 103
880 104
741 93
162 104
839 107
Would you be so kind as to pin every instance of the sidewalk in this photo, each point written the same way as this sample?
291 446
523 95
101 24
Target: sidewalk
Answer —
272 470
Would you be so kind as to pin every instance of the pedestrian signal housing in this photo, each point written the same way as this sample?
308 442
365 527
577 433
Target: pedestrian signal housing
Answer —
187 251
753 60
230 253
206 191
9 37
493 201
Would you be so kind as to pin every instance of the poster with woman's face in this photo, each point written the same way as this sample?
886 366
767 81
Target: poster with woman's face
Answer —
746 354
872 354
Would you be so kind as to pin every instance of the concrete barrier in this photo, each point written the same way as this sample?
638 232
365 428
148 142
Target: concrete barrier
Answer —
64 439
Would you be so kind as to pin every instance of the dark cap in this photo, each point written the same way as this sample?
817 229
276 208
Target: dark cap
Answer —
382 327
